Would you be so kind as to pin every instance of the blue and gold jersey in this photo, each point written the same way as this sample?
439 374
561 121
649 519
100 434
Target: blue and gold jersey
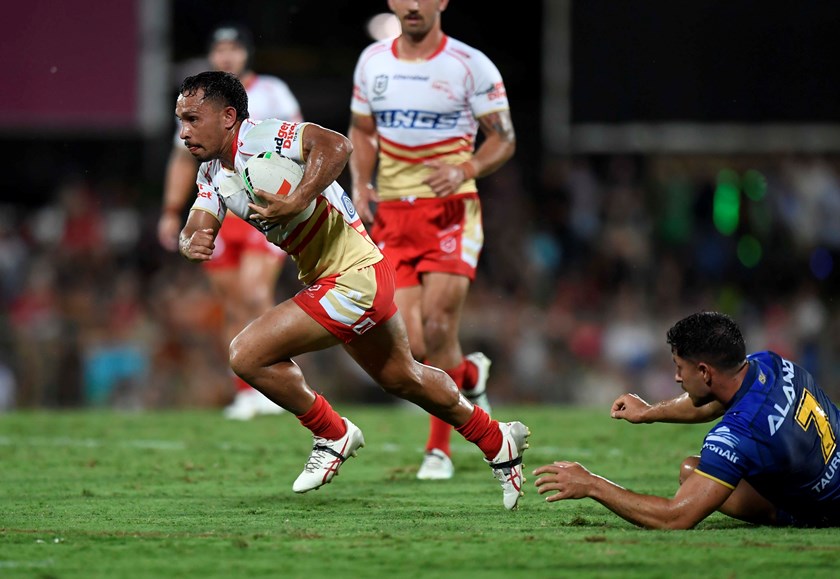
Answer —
779 433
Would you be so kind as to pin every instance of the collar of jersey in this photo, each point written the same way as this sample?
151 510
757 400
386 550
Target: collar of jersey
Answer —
437 51
747 384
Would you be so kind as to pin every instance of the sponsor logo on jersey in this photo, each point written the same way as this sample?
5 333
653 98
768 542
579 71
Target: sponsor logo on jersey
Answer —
717 441
723 436
284 137
775 421
825 480
380 84
417 119
410 77
494 91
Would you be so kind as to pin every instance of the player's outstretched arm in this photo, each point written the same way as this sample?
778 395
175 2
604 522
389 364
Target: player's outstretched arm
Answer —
696 499
632 408
197 239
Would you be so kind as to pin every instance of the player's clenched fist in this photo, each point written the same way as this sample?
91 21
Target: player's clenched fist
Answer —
630 407
199 246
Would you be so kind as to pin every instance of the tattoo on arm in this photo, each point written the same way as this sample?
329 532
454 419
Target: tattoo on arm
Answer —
498 123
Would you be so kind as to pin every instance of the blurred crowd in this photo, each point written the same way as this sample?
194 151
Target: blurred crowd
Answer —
580 278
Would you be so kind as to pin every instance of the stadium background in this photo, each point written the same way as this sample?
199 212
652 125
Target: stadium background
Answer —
670 159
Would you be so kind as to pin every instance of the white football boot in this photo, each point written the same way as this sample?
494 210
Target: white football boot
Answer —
436 466
250 403
327 457
507 465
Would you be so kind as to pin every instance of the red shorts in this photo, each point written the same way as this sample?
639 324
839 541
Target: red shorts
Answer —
350 303
442 235
235 238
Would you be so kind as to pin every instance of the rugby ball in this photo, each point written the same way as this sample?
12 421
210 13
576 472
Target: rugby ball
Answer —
271 172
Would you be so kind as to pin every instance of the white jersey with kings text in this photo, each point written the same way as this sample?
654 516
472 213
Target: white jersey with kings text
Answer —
424 109
326 238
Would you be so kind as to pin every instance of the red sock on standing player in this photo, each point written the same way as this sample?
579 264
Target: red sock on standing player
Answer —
440 432
241 385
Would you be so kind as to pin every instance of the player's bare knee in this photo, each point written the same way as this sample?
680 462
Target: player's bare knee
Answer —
240 361
687 467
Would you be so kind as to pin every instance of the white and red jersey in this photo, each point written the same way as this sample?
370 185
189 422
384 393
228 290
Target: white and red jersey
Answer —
424 109
326 238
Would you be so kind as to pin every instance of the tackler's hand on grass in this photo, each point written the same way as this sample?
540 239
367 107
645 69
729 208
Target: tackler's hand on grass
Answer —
567 480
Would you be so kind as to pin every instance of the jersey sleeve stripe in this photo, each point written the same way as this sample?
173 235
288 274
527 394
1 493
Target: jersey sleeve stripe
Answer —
490 112
714 478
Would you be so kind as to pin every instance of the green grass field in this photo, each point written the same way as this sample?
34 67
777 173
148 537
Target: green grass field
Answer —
188 494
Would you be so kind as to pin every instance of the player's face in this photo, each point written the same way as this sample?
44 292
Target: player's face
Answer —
693 379
417 17
202 126
228 56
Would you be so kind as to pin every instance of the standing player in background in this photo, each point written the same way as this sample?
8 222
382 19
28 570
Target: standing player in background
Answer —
418 101
245 268
349 295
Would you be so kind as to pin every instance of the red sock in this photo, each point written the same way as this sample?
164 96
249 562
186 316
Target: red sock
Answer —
440 432
323 421
484 432
470 375
240 384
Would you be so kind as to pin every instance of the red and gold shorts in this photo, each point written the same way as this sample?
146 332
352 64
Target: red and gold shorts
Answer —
442 235
237 237
350 303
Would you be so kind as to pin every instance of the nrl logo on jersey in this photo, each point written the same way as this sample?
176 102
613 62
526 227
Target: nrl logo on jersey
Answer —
380 84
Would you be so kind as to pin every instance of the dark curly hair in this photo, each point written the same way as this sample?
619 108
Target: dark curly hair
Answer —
710 337
222 87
